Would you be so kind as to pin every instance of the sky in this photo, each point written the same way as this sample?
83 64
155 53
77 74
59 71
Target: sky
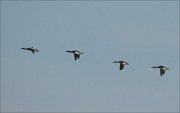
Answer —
143 33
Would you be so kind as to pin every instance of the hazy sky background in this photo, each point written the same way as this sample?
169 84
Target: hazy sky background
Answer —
143 33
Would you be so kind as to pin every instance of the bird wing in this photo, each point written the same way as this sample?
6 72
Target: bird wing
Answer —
115 61
76 56
29 49
121 66
69 51
24 48
32 51
162 71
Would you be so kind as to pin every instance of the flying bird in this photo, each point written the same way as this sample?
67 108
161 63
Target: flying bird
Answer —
122 64
32 49
76 54
162 69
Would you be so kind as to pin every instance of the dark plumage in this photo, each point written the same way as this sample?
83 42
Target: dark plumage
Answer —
122 63
76 54
32 49
162 69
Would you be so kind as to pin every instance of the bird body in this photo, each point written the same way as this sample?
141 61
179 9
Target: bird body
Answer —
122 64
76 54
32 49
162 69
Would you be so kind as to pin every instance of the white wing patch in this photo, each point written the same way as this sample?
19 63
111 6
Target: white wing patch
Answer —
77 52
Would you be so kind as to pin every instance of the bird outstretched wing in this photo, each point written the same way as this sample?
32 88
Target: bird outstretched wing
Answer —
162 71
121 66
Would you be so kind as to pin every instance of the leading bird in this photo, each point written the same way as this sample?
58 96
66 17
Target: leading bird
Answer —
162 69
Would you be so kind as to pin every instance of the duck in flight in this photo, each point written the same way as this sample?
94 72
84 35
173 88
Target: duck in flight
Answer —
76 54
122 64
162 69
32 49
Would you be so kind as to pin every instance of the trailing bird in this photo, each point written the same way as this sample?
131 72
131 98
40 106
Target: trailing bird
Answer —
76 54
162 69
122 63
32 49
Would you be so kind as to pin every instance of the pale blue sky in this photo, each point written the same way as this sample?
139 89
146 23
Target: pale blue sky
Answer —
143 33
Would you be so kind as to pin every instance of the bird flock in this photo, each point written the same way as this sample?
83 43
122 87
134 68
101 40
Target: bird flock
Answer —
121 66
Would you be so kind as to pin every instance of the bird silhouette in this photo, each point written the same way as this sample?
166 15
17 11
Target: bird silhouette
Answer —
32 49
122 64
162 69
76 54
